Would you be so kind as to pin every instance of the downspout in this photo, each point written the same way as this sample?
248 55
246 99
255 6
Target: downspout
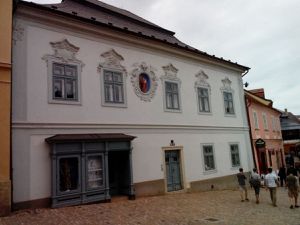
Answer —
249 124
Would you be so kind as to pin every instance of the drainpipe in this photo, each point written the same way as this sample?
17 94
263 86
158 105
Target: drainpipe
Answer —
250 133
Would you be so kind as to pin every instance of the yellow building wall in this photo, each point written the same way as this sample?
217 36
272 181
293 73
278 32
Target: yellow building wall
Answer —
5 104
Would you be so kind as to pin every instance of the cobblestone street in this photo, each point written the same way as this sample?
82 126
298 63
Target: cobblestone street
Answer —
204 208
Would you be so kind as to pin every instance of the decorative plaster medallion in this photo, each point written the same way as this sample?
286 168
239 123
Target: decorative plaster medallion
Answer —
144 81
202 80
170 73
226 85
64 52
112 60
18 32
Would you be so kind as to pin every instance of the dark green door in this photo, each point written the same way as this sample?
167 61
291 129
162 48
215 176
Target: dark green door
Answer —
172 159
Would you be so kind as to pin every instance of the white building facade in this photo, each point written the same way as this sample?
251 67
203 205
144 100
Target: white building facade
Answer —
174 114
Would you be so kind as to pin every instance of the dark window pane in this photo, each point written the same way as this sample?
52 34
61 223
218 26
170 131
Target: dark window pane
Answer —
58 88
58 69
70 71
68 174
70 89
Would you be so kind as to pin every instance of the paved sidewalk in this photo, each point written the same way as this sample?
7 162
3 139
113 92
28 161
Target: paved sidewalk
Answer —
204 208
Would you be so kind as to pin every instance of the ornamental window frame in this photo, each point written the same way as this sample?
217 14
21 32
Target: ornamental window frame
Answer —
265 121
64 56
170 78
256 122
112 64
227 90
201 83
236 153
204 155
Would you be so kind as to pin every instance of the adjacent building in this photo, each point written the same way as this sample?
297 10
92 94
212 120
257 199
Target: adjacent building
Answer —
265 127
5 104
106 103
290 127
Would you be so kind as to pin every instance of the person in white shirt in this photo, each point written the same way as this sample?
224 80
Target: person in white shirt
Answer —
271 184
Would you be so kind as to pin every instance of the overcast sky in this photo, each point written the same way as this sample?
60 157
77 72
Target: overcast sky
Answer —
261 34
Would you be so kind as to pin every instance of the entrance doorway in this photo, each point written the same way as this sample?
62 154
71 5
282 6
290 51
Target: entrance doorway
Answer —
119 173
173 170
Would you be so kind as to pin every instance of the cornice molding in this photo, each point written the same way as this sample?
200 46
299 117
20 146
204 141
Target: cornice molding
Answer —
30 125
47 18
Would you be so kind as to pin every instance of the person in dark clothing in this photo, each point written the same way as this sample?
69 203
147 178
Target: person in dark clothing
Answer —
292 170
282 175
242 183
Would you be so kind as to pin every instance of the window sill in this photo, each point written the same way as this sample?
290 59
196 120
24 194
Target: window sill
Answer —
173 110
64 102
205 113
207 172
115 105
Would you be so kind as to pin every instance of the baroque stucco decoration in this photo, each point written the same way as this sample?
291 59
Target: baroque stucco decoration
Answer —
142 69
18 32
64 52
170 73
112 60
226 85
201 81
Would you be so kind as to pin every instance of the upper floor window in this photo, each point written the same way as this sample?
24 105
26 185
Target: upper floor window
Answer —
113 87
172 95
65 82
235 155
112 78
228 102
64 73
203 93
265 121
256 124
171 85
227 92
208 156
273 123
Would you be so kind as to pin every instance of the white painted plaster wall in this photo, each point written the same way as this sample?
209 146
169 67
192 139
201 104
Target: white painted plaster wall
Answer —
31 159
137 112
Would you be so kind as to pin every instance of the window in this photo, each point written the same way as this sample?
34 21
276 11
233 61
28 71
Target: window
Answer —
171 89
228 103
113 80
255 120
65 82
208 155
172 95
235 156
273 123
203 100
64 79
265 121
203 92
113 87
95 173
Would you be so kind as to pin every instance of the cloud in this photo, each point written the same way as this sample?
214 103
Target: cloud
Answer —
263 35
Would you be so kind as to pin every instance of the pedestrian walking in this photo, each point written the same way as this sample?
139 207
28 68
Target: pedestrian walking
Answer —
271 184
292 185
255 182
282 175
242 185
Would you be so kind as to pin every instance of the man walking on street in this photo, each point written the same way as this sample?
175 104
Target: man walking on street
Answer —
271 184
255 182
242 183
292 185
